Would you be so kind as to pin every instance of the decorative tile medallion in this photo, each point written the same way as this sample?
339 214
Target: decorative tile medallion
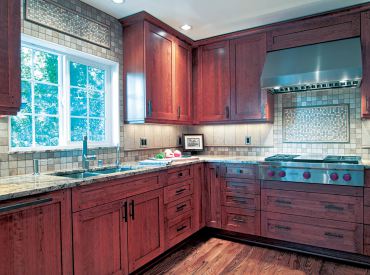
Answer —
329 124
57 17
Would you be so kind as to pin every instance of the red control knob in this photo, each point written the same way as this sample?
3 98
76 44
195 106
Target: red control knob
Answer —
282 174
306 175
334 176
271 173
347 177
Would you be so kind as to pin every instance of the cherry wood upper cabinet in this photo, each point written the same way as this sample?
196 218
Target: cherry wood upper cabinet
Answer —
248 102
214 82
183 80
10 43
314 30
365 86
157 74
35 235
145 228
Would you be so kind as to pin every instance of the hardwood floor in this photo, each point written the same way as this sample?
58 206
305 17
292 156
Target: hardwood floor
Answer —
217 256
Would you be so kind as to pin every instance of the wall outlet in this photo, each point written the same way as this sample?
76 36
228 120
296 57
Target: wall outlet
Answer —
248 140
143 142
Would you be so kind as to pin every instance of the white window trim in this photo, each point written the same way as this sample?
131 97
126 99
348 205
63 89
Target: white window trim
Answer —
112 114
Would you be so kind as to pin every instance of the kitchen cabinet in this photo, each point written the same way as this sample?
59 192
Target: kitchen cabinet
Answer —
213 195
35 235
313 30
367 213
100 239
10 43
145 228
365 86
199 197
214 83
157 75
248 101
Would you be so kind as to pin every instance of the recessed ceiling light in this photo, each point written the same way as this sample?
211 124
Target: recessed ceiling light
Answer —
118 1
185 27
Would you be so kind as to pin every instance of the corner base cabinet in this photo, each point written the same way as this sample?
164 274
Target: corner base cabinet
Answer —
35 235
365 86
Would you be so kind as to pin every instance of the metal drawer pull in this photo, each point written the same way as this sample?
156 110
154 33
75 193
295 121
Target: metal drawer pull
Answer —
240 171
239 201
180 207
239 220
334 235
24 204
125 211
283 227
132 210
180 174
283 202
333 207
181 228
178 192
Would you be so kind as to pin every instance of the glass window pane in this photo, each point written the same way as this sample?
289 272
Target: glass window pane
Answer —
97 130
97 104
78 102
47 131
46 99
26 106
21 134
96 78
78 128
45 67
78 74
26 62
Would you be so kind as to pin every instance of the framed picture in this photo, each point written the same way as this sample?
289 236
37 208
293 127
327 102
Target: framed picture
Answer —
194 142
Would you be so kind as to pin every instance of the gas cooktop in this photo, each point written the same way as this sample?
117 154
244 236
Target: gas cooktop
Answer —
315 158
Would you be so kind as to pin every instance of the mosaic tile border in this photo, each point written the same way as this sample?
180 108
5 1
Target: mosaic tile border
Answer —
307 129
55 16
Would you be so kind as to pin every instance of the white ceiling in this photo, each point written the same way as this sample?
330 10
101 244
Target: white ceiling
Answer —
214 17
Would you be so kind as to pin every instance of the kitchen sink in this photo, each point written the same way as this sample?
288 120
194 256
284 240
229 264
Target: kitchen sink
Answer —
78 175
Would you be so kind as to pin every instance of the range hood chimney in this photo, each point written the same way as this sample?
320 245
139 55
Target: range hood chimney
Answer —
326 65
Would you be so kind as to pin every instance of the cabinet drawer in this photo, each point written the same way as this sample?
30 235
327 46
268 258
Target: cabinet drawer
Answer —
367 178
367 196
240 171
179 229
367 215
240 186
367 234
240 200
333 207
180 174
177 191
179 207
241 220
337 235
84 197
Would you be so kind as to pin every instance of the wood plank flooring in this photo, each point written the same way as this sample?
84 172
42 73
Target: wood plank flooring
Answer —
217 256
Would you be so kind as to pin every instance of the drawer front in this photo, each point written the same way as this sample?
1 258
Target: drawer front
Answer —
179 229
180 174
367 196
337 235
84 197
367 240
241 220
240 200
241 186
179 207
367 215
178 191
334 207
367 178
240 171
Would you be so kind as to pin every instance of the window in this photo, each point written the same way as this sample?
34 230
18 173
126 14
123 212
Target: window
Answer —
64 98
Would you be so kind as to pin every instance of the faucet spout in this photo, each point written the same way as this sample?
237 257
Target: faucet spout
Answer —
85 157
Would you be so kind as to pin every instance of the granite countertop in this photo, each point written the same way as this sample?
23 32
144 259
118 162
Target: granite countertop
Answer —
26 185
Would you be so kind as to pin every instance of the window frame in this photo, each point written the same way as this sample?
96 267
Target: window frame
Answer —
65 56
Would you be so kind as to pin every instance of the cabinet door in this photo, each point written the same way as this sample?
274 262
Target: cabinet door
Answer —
365 86
35 235
159 57
247 57
199 209
99 240
183 67
214 101
213 195
10 36
145 228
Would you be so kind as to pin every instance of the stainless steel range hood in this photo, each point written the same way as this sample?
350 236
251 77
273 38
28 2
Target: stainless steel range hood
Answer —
320 66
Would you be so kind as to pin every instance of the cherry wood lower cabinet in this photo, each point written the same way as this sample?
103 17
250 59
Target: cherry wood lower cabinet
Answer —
241 220
35 235
367 240
213 195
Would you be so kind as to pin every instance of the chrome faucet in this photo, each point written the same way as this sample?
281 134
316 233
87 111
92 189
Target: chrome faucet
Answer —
118 156
85 157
